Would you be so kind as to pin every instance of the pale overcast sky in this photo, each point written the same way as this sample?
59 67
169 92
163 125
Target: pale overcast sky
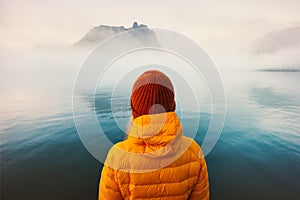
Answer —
213 24
30 22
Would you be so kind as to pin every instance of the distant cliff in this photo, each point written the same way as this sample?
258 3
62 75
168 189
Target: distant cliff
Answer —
99 33
278 40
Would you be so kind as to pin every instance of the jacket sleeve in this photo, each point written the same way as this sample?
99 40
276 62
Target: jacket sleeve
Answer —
108 187
201 189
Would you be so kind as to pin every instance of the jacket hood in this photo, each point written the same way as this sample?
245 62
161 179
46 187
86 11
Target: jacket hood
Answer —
154 141
156 130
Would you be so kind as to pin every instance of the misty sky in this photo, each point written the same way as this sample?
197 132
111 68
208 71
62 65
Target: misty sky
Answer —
218 26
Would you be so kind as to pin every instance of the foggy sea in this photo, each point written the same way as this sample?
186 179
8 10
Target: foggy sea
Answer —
256 157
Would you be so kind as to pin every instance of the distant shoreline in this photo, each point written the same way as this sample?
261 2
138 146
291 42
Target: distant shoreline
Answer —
280 70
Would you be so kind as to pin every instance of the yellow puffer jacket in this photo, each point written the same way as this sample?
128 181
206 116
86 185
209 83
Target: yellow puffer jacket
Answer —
155 162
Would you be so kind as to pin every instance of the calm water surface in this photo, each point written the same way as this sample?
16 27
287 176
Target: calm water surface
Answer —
256 157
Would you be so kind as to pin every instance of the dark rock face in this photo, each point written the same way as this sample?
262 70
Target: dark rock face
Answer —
135 25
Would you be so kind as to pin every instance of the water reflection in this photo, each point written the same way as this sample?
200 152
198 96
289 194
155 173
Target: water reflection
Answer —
272 98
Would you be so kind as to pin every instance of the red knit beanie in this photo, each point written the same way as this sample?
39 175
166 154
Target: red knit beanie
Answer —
151 88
